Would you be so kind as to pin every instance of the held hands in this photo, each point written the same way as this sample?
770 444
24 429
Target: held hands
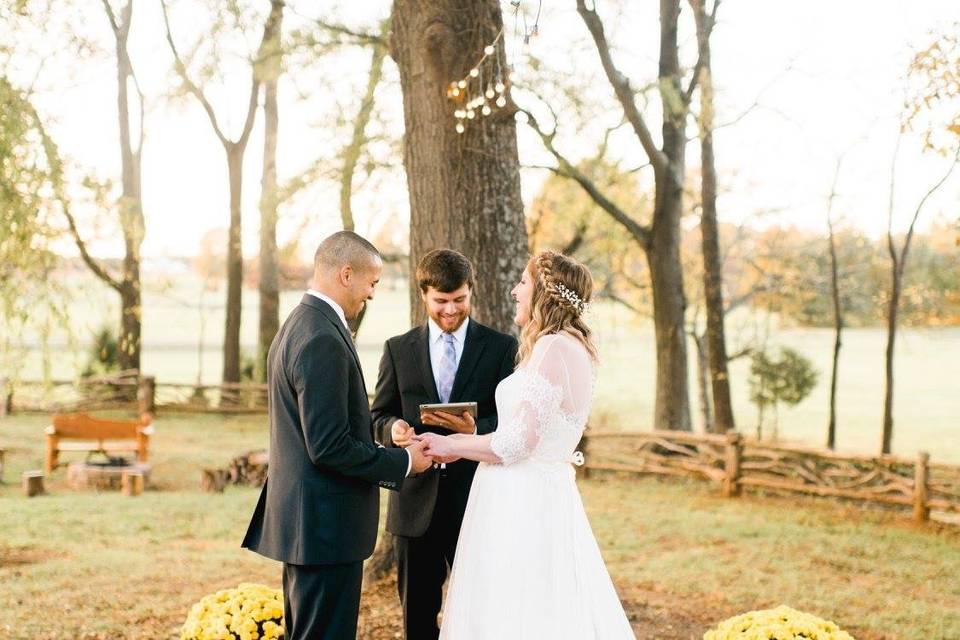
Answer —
440 448
458 424
420 460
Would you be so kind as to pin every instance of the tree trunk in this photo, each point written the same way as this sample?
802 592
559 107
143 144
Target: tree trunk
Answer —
672 406
709 229
464 188
837 318
896 277
703 381
231 332
268 285
351 154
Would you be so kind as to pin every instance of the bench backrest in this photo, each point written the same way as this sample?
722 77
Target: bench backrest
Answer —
84 427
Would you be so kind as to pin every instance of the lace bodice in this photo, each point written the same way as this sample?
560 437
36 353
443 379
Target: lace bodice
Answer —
544 405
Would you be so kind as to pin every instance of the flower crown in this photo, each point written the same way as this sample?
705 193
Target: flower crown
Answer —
571 296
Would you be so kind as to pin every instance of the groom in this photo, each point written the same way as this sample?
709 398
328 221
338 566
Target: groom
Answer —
319 510
452 358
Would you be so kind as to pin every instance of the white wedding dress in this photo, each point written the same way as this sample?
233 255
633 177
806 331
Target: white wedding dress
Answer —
527 564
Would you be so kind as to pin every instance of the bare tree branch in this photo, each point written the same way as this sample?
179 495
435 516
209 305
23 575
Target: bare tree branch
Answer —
698 6
185 78
567 169
621 86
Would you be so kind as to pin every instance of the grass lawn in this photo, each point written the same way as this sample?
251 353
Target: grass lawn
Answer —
88 565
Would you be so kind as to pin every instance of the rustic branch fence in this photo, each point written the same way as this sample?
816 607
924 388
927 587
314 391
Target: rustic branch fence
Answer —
732 462
729 461
128 390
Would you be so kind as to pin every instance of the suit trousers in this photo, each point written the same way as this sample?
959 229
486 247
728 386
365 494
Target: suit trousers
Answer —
321 602
422 566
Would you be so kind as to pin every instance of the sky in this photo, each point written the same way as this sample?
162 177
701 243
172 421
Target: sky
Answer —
813 81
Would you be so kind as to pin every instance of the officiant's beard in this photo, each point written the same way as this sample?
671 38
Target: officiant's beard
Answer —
450 323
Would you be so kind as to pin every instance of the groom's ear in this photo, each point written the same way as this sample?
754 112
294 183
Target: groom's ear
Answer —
345 275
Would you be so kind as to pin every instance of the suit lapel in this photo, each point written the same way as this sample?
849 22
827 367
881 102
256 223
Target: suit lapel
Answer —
421 350
331 315
473 346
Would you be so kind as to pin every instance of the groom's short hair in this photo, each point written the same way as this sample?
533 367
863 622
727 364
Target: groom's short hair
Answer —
445 270
345 248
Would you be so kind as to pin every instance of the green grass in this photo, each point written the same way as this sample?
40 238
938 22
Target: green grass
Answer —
82 564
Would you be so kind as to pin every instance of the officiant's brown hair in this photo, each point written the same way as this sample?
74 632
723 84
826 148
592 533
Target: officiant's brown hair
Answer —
445 270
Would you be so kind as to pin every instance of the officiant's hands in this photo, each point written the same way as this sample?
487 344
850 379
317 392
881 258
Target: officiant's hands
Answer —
458 424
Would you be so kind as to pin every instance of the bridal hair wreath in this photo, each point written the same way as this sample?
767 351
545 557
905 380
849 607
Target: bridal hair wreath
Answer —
571 296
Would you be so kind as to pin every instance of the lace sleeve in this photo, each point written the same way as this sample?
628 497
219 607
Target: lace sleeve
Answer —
544 387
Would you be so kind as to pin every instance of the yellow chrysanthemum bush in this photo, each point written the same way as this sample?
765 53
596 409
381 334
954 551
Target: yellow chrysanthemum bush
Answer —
249 612
782 623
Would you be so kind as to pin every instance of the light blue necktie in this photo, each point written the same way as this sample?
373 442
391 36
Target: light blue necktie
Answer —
448 368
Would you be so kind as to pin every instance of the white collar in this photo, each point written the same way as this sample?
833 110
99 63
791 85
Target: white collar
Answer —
460 335
330 301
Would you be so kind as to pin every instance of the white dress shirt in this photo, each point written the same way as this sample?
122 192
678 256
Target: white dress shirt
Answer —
436 346
336 307
343 318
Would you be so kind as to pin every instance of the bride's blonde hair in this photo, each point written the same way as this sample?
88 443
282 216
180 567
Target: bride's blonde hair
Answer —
562 288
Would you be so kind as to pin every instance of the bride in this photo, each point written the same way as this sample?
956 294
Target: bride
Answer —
527 564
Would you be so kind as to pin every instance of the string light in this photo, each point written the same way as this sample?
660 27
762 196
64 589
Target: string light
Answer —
486 85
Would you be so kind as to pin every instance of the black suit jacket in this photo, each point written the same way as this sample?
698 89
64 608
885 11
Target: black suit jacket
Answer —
406 381
320 504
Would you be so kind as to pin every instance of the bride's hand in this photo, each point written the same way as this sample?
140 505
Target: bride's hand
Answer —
440 448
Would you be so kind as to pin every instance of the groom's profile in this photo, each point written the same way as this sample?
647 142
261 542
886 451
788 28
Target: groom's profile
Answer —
319 509
450 358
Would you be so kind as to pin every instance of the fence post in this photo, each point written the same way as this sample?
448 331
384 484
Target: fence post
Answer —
921 477
146 395
6 397
731 465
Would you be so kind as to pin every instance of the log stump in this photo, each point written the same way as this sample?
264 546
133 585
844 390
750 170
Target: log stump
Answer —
213 480
131 483
32 483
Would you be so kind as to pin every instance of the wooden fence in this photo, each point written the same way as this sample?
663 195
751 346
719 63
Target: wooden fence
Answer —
733 462
728 461
130 391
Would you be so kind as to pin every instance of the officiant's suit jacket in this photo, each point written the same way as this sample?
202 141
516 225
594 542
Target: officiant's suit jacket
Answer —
320 504
405 382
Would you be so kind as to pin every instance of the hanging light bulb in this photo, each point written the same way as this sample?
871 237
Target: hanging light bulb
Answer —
488 50
460 128
474 73
500 87
501 102
490 93
486 110
462 84
471 114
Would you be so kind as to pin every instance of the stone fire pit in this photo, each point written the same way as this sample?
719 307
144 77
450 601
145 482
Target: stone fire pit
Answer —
111 474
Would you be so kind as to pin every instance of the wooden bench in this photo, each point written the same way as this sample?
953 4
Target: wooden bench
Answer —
87 433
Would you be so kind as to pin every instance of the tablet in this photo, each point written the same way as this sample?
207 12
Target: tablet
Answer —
456 408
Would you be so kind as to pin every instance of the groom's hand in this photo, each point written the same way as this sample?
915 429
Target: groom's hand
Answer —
402 433
420 461
458 424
